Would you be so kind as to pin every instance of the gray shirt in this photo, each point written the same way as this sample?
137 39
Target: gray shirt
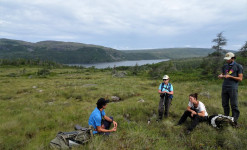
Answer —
233 69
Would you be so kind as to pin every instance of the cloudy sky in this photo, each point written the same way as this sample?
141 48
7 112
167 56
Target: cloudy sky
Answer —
126 24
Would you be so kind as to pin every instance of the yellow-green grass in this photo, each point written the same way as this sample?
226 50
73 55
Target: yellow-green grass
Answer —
33 109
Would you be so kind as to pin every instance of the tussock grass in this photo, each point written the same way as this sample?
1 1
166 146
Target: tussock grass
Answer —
34 109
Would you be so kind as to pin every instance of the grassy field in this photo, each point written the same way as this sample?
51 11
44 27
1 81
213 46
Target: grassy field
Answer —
34 108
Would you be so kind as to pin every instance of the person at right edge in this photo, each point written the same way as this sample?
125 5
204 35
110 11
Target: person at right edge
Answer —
232 73
166 95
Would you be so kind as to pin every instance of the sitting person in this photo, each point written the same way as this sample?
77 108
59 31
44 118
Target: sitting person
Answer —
100 121
196 111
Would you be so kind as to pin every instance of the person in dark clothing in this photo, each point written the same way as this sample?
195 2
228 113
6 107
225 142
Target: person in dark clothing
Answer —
196 110
166 94
232 73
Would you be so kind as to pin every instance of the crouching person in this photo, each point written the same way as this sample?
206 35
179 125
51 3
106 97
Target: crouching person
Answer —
100 121
196 110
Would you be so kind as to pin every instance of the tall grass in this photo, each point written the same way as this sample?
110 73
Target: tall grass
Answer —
33 109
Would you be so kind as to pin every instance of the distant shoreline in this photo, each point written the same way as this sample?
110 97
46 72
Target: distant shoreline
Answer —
120 63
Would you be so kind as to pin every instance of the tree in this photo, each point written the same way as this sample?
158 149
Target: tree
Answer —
212 64
243 50
220 41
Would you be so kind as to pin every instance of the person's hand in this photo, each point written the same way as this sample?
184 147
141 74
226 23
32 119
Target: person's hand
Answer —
193 113
115 123
221 76
114 129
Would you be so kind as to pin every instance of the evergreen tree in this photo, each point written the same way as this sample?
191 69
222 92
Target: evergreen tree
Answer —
214 61
243 50
220 41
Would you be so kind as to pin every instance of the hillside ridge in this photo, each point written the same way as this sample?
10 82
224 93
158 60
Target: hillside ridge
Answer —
74 53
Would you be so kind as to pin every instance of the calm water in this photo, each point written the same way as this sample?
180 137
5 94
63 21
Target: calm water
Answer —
121 63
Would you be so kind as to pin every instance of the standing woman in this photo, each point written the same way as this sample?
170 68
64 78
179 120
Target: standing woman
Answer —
166 95
196 110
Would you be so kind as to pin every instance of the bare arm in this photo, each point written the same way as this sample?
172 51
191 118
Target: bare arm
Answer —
202 114
192 111
110 120
166 92
170 92
239 78
100 129
189 109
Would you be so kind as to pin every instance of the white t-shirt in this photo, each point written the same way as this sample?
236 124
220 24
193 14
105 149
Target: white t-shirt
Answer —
201 107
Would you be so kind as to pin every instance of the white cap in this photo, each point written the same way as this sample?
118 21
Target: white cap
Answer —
229 56
165 77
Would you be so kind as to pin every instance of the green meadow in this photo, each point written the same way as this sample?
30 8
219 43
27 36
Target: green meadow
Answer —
35 107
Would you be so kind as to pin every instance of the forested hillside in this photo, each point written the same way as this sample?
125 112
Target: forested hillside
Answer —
74 53
62 52
170 53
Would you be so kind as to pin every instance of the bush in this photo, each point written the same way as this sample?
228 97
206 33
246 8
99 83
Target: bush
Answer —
43 72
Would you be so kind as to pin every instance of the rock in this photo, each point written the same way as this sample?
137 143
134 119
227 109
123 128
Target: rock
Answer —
119 74
50 103
206 94
141 100
34 87
115 98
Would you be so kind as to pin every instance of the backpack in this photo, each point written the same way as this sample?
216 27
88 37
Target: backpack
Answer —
66 140
219 121
169 89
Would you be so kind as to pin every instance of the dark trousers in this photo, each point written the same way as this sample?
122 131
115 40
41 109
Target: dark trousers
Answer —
107 125
195 119
165 102
229 94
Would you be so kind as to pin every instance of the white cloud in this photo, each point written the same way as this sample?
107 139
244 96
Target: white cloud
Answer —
94 20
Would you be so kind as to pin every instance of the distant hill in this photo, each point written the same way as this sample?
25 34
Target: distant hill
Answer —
62 52
72 53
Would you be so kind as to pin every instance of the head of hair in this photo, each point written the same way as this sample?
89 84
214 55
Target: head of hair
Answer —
99 106
101 102
194 95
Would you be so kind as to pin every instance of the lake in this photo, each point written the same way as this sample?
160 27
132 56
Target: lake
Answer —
120 63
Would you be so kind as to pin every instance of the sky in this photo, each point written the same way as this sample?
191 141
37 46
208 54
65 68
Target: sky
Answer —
126 24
